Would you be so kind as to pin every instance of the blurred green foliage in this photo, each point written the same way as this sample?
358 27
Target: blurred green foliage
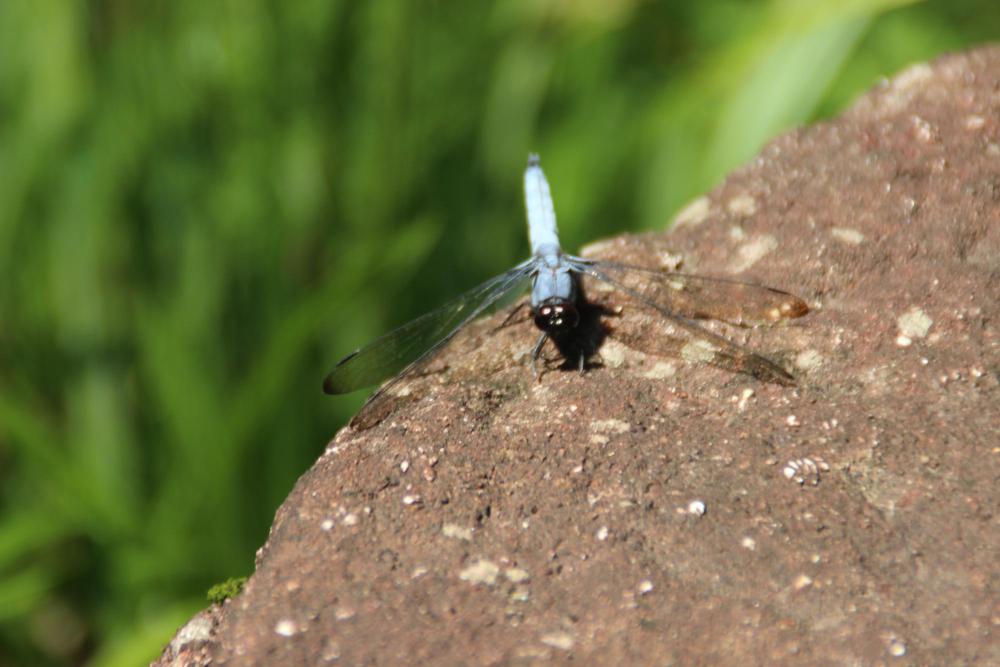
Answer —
203 205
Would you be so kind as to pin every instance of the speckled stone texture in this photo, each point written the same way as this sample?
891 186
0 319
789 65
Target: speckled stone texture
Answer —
654 512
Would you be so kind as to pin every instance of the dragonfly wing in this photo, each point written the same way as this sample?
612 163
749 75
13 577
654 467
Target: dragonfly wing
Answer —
684 338
401 350
701 297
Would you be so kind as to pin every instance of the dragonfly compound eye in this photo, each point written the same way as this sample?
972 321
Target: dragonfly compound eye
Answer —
556 315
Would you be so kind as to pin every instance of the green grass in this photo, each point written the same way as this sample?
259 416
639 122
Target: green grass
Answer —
229 588
203 205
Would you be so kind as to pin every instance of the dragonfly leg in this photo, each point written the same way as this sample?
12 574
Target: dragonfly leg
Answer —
510 316
535 352
582 359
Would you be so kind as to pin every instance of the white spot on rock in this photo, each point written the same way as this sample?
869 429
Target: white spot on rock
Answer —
560 640
694 213
197 629
350 519
326 525
805 470
480 572
610 426
331 651
914 323
669 261
457 532
645 587
802 581
912 76
742 206
923 130
520 595
696 508
698 351
847 235
749 543
808 360
753 251
602 533
613 354
660 371
902 88
285 628
516 575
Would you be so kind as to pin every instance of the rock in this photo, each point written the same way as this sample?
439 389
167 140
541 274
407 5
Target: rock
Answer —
887 220
193 643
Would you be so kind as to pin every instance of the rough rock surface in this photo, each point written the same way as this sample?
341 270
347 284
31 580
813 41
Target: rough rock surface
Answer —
657 512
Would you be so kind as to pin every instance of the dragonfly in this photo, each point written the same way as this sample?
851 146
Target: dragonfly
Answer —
557 303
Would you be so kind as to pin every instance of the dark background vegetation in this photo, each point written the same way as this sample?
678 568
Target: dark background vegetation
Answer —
203 205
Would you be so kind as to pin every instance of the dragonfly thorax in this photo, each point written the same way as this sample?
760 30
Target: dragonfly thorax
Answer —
556 315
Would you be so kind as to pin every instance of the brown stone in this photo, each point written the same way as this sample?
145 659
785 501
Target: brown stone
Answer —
656 512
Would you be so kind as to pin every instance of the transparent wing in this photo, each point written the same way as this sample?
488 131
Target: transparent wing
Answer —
700 297
401 350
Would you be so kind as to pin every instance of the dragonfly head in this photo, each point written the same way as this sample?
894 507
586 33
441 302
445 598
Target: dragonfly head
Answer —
556 315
